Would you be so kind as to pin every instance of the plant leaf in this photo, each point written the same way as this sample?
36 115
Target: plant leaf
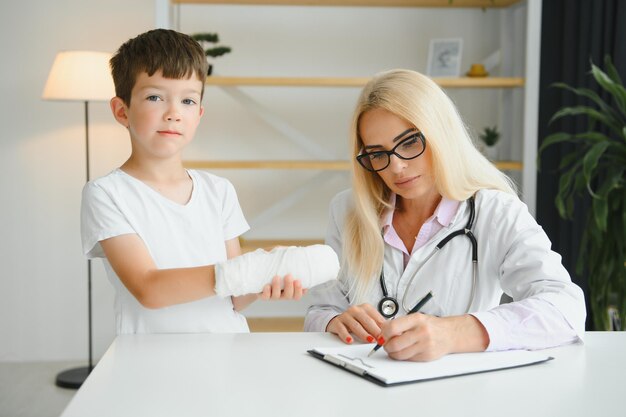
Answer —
612 181
564 196
590 161
592 95
552 139
592 113
600 212
611 71
568 160
593 136
616 90
560 206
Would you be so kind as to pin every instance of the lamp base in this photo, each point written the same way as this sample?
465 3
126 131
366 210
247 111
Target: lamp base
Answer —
73 378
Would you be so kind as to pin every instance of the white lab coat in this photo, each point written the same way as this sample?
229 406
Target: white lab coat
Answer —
514 257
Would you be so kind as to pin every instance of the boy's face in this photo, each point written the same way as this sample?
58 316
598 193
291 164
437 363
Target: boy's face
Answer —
163 115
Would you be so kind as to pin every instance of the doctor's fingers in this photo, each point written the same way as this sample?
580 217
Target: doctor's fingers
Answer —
392 329
398 326
363 321
411 346
344 324
336 326
414 338
374 314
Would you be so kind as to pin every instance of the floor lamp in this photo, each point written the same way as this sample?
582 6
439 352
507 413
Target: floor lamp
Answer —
80 76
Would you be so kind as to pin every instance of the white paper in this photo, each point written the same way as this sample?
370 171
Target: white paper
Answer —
390 371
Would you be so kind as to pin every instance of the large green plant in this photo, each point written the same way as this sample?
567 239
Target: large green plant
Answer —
596 166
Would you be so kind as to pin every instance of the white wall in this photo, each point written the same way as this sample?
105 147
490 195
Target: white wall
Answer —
42 273
43 282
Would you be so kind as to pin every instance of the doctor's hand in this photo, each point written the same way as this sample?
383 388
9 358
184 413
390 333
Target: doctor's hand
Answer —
363 321
420 337
291 290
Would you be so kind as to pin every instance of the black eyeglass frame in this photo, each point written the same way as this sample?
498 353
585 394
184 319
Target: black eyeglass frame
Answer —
361 157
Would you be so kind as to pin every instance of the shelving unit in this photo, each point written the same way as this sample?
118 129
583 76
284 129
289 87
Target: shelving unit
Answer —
167 9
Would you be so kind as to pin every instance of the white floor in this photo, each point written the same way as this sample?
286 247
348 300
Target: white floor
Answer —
28 389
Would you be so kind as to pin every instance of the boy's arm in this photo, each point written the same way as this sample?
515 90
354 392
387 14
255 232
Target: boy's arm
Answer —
290 289
153 287
233 249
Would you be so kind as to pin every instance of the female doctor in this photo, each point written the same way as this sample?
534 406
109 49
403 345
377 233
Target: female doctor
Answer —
418 179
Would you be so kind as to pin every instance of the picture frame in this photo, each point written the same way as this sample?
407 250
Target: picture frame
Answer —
444 57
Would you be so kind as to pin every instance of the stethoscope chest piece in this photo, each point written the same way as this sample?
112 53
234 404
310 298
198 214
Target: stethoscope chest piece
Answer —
388 307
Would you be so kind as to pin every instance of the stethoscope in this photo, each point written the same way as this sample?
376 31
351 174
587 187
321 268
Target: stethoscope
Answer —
388 306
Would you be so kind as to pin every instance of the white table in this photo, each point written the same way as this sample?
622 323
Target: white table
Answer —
270 374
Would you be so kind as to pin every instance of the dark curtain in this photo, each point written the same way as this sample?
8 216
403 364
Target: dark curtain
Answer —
573 33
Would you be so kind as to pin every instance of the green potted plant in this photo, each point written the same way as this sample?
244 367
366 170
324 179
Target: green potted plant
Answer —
489 137
206 39
596 166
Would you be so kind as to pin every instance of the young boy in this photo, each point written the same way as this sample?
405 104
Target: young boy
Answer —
159 227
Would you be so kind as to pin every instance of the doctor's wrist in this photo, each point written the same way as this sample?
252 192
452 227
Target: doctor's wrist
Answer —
469 335
477 334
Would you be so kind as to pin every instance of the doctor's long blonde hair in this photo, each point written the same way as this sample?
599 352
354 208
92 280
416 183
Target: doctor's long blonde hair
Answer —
458 167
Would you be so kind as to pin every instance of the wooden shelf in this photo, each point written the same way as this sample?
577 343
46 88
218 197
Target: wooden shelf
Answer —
306 165
275 324
360 3
288 165
509 165
460 82
248 245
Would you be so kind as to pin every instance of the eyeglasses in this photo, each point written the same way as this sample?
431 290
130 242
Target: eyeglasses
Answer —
408 148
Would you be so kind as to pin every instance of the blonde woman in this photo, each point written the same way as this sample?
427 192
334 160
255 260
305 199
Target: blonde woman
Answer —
428 213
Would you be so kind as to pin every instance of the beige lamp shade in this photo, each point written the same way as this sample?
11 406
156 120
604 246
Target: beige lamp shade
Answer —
80 76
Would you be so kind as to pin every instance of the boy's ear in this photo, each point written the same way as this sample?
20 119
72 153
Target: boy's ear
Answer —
119 109
201 110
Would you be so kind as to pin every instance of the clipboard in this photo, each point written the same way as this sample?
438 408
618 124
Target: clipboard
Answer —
384 371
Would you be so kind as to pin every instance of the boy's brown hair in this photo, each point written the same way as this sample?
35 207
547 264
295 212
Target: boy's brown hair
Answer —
175 54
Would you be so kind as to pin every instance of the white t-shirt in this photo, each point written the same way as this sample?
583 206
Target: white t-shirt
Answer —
177 236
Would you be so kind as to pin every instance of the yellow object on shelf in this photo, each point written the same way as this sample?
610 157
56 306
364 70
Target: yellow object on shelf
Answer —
477 70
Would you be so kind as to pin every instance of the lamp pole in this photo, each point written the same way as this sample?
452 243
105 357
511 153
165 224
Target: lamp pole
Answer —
74 378
88 260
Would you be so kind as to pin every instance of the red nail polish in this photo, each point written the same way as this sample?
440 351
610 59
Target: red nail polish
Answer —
370 339
381 340
348 339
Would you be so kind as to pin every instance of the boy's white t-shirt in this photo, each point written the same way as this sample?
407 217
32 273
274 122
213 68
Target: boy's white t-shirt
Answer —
177 236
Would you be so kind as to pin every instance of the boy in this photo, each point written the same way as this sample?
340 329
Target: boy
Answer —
161 228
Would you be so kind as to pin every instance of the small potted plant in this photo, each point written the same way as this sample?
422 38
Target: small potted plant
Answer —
489 137
206 40
596 166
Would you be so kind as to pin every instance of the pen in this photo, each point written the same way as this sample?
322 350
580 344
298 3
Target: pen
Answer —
415 309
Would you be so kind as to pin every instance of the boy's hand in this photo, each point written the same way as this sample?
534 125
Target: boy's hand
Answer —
292 289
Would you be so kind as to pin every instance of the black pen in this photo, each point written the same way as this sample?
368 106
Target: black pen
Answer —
415 309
